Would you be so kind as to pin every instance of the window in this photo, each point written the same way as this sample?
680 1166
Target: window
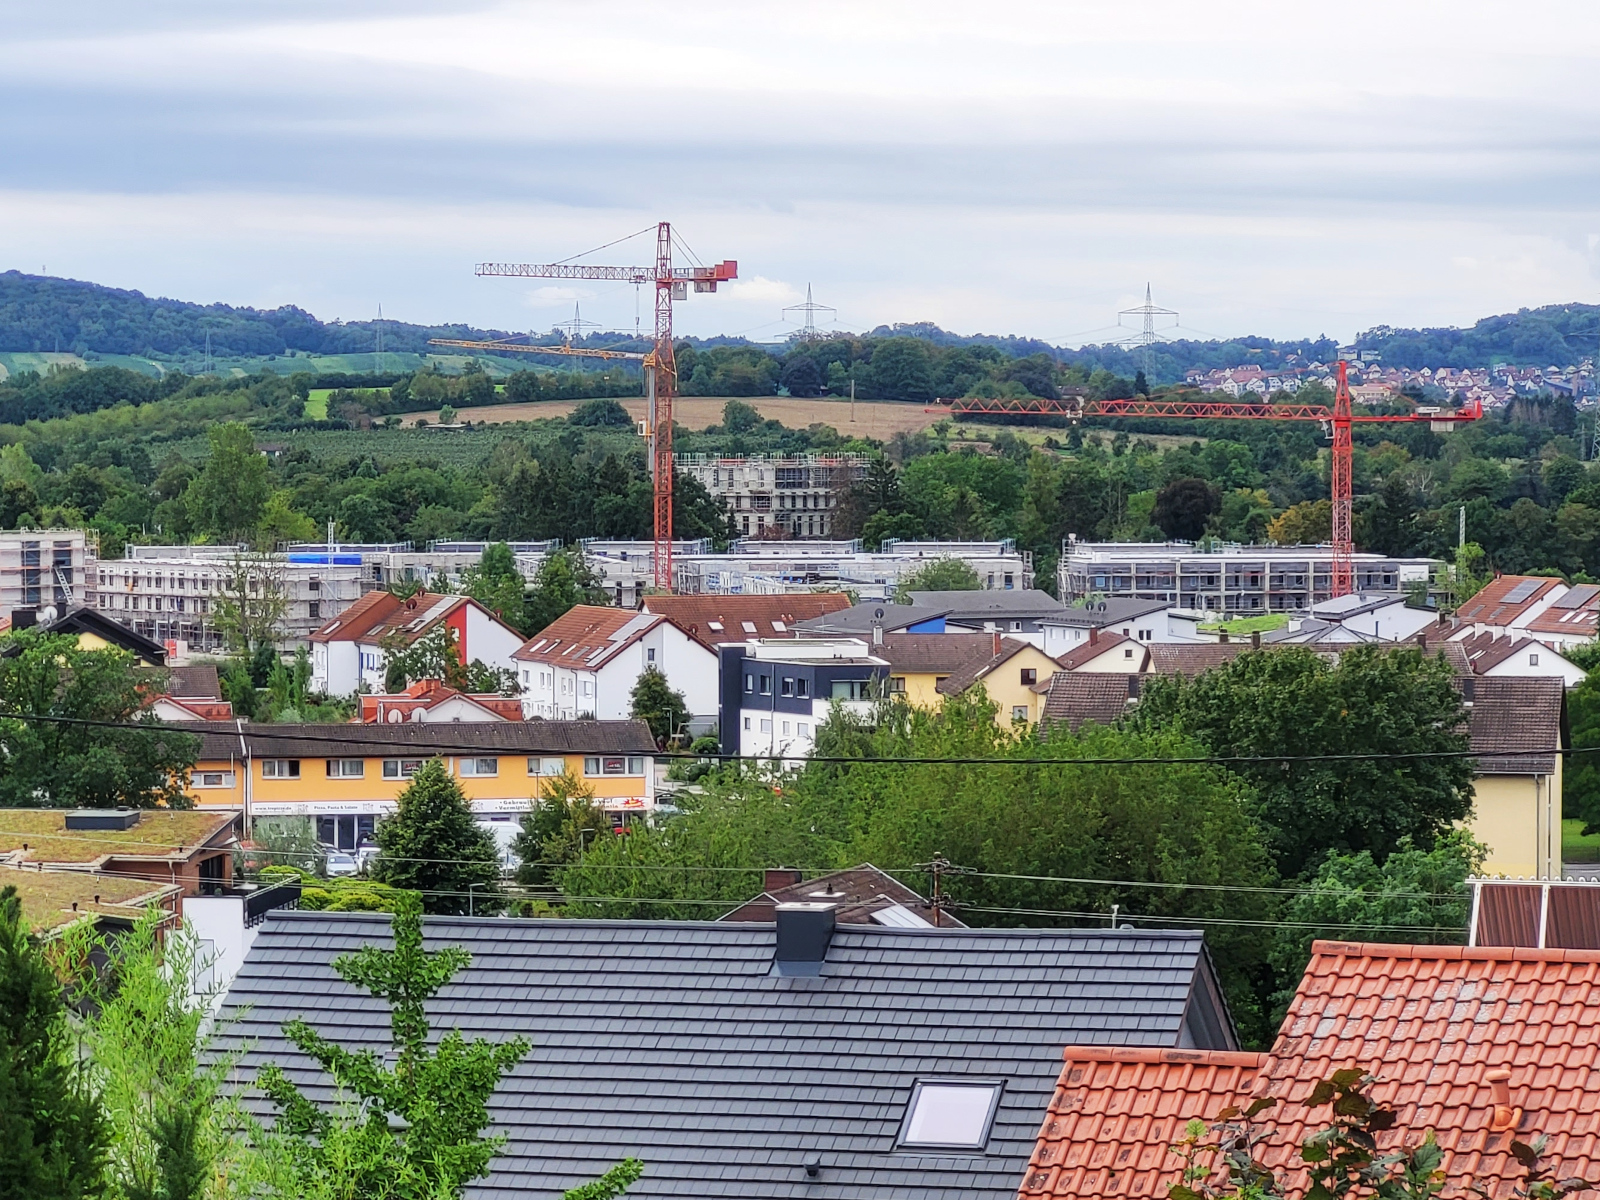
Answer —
1144 635
766 726
211 779
313 609
401 768
280 768
749 683
747 724
803 729
612 766
1030 676
852 689
479 767
1533 660
650 654
897 685
1016 627
347 768
1127 652
636 766
953 1115
802 688
766 685
716 626
1019 712
748 626
786 729
780 627
786 687
546 766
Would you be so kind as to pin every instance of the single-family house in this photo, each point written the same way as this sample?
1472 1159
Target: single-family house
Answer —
350 652
1515 656
920 662
1147 621
1009 676
432 700
1508 604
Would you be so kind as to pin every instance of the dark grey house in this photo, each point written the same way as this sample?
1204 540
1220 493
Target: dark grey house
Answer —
792 1059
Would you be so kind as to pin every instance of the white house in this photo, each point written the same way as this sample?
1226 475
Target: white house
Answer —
1383 618
587 662
1522 657
348 653
1146 621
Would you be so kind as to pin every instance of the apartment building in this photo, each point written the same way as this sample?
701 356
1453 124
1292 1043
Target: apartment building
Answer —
776 692
756 567
1227 579
796 494
41 568
384 564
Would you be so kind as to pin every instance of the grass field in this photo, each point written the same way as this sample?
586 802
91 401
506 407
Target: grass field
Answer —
1575 847
1261 624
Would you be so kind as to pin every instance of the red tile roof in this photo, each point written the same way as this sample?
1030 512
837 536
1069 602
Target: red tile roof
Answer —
699 616
426 694
1491 606
380 613
1073 698
1089 651
978 668
1576 614
583 636
1117 1112
1191 658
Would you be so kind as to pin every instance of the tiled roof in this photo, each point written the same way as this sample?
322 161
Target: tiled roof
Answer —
221 742
1517 714
586 636
1191 658
1505 599
934 653
1117 1113
1075 697
856 894
1575 613
1089 651
1104 612
975 671
717 620
380 613
990 604
429 693
194 683
677 1042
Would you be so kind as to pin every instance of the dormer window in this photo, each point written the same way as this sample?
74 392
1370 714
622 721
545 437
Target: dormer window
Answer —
950 1115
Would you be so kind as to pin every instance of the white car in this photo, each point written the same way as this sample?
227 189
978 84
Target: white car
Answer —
339 863
365 854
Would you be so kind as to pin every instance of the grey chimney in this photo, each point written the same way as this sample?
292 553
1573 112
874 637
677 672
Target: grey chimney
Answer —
804 931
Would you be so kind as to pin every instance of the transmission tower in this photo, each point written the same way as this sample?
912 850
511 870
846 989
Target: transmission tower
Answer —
377 329
1148 336
573 330
809 331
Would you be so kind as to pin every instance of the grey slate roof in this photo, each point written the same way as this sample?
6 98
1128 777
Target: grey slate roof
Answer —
220 739
673 1041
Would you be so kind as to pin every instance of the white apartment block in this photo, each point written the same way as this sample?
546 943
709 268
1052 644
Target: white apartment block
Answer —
795 494
384 564
42 568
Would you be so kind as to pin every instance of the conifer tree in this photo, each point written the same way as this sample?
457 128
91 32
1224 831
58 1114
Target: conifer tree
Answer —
656 704
433 845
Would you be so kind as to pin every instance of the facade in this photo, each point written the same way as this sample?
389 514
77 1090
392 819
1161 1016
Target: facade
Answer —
1231 579
346 777
755 567
776 692
794 493
43 568
1141 620
384 564
1012 677
348 654
920 662
1520 726
587 662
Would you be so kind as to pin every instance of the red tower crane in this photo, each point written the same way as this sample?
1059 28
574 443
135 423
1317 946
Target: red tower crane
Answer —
661 375
1338 419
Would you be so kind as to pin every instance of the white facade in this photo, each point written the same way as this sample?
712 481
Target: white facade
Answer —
42 568
1535 660
774 718
604 688
795 494
1385 618
1162 625
343 666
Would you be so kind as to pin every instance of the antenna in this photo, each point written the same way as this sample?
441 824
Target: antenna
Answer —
575 327
1149 335
209 367
808 331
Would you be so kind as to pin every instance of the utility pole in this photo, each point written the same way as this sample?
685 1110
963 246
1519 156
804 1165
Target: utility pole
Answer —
938 865
852 400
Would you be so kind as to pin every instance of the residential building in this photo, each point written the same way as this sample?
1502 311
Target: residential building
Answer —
93 631
225 927
920 662
191 851
588 661
1358 618
1115 654
752 566
193 694
775 692
1507 604
385 564
1010 677
722 620
43 568
350 652
346 777
431 700
1570 620
1020 614
170 593
1226 579
799 1058
1141 620
1483 1050
860 895
793 493
1518 657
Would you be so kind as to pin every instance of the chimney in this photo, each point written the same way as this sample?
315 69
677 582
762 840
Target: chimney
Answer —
804 931
1255 639
1222 637
1094 635
1504 1116
997 643
24 618
1422 641
775 879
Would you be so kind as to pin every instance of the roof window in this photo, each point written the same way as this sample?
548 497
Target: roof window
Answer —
748 626
714 626
947 1114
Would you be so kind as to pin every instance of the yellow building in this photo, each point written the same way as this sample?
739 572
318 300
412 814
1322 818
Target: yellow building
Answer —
1014 675
920 662
94 631
346 777
1518 726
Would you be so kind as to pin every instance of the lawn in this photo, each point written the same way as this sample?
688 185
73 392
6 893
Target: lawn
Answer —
1575 847
1261 624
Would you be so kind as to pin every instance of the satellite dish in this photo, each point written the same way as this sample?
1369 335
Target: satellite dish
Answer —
878 612
48 614
395 715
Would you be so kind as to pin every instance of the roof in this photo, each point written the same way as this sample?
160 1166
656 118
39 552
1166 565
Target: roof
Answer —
97 624
1074 698
1507 598
40 835
1559 914
1574 613
52 899
1191 658
715 620
934 653
1510 713
1117 1113
379 614
426 694
860 618
1100 613
1091 650
221 742
990 603
975 671
860 895
194 683
676 1042
587 636
1485 651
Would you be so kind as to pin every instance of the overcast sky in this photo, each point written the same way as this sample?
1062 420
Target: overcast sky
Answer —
1272 168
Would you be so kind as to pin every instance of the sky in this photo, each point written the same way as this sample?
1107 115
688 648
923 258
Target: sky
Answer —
1287 170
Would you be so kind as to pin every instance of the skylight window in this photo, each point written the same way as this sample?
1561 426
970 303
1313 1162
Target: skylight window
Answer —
780 627
748 626
714 626
950 1115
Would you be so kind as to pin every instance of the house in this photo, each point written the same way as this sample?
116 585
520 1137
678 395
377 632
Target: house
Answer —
1508 604
587 662
722 620
1018 613
775 692
798 1058
348 653
1482 1048
192 694
345 777
1515 656
1115 654
860 895
1386 617
920 662
1009 676
1571 618
431 700
191 851
1121 616
1519 726
94 631
1077 698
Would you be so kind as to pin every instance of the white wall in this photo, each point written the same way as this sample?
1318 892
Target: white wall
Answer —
489 641
218 921
1537 661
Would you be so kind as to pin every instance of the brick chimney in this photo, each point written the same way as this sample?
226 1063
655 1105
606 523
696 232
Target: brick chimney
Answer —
775 879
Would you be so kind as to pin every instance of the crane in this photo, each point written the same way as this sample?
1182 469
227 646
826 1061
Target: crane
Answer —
503 347
661 375
1339 418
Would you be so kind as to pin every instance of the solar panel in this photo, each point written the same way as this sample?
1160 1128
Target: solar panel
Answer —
1522 591
1577 597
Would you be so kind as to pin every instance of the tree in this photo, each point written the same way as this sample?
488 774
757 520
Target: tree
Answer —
227 498
565 579
432 844
496 584
120 756
1288 703
940 575
739 417
600 413
447 415
437 655
902 370
656 704
1309 523
281 523
553 832
251 603
1183 506
53 1133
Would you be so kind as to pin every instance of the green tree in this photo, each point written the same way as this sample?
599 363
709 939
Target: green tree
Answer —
565 579
1183 507
601 414
1291 702
656 704
437 655
120 756
251 603
1580 781
1309 523
739 417
433 845
281 523
53 1133
940 575
554 832
496 584
228 497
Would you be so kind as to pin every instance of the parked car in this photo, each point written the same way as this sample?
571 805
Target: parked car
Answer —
339 863
365 853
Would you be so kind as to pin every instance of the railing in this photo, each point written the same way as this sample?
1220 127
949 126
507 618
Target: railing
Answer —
259 903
